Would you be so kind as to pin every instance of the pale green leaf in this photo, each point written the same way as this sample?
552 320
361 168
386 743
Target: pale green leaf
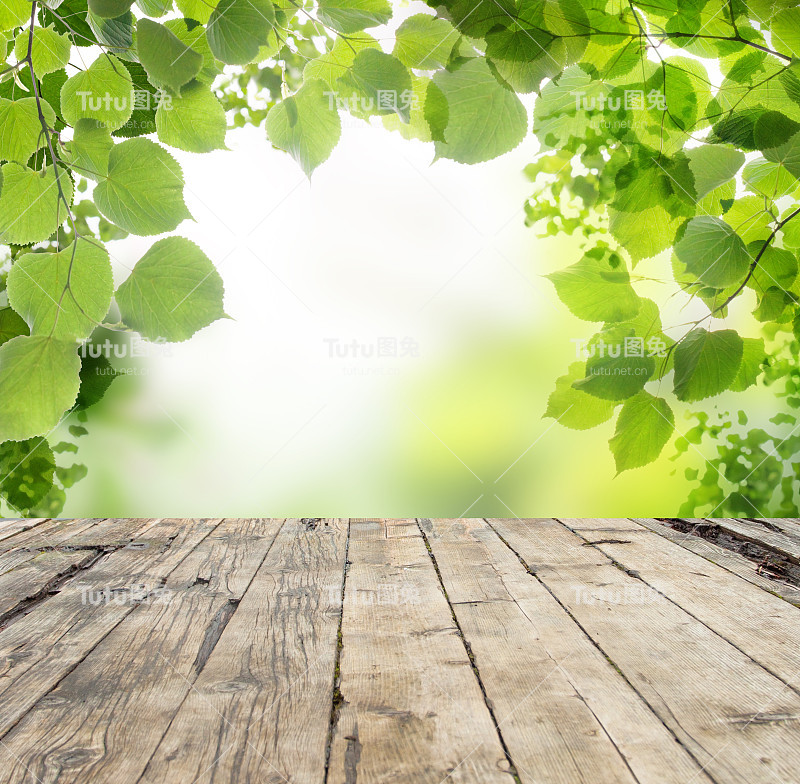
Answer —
103 92
306 125
425 42
706 363
194 121
64 294
380 84
110 9
173 291
485 119
573 408
753 356
13 13
143 192
598 287
21 128
237 29
49 49
38 383
352 16
713 252
713 165
30 208
90 148
644 426
336 63
168 61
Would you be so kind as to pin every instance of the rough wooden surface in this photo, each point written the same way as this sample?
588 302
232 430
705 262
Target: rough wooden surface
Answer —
367 651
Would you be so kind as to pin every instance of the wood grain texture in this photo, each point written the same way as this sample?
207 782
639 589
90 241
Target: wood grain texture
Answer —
39 649
565 713
260 709
412 708
9 527
29 576
726 559
736 719
538 651
776 541
104 720
762 626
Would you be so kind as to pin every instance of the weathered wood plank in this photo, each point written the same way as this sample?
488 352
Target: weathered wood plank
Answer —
565 713
11 526
761 625
737 720
787 526
105 719
260 709
34 575
49 534
760 534
728 560
37 650
411 707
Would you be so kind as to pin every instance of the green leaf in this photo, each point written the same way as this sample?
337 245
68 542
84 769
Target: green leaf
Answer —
116 35
49 51
598 287
237 29
109 9
523 57
713 252
69 476
173 291
103 92
382 83
26 472
615 371
199 10
194 35
90 148
30 209
425 42
646 233
194 122
168 61
753 356
143 118
706 363
785 29
336 63
352 16
154 7
13 13
21 129
143 193
12 325
713 165
644 426
485 119
787 154
64 294
769 179
96 377
306 125
38 384
776 267
573 408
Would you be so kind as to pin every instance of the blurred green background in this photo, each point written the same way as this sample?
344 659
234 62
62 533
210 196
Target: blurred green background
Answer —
278 412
